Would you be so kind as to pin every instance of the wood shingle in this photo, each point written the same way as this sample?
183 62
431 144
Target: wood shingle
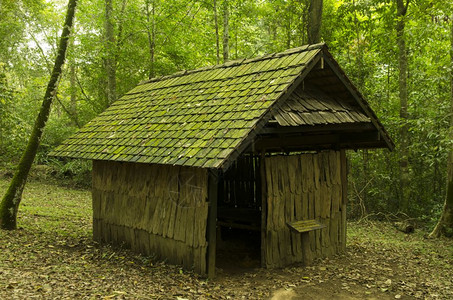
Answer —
201 118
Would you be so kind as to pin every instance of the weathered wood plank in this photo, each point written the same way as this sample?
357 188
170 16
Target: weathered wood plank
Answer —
305 225
270 194
264 195
212 218
344 176
343 227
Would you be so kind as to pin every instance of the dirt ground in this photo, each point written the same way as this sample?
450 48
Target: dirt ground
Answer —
52 256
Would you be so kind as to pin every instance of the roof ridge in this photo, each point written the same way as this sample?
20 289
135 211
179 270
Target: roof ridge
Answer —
237 62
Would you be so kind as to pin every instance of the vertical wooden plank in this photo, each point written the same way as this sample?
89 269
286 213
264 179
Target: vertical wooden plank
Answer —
305 206
336 198
305 173
276 201
324 200
307 257
263 183
203 260
312 241
344 176
316 169
311 204
317 201
276 258
318 246
325 167
172 218
343 227
203 225
344 190
212 220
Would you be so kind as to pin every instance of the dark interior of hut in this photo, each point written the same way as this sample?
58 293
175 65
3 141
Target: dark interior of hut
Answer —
239 215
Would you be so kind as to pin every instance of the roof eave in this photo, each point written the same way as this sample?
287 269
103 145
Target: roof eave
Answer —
328 58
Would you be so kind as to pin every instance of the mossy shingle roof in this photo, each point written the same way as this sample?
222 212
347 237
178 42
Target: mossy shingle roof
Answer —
316 108
192 118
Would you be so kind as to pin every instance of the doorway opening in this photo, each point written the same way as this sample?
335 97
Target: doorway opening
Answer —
239 215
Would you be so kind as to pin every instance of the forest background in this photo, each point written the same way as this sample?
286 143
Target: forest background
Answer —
117 43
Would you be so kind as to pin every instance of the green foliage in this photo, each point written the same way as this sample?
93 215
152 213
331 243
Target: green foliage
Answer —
12 130
74 172
360 34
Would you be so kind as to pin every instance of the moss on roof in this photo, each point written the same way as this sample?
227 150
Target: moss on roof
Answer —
192 118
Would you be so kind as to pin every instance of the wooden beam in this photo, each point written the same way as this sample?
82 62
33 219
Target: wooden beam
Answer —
213 183
318 128
263 207
238 226
302 141
344 176
344 188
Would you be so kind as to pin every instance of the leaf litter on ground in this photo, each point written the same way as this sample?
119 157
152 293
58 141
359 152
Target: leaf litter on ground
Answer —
52 256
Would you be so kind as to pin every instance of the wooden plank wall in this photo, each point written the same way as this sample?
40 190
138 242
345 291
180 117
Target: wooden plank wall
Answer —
153 209
303 187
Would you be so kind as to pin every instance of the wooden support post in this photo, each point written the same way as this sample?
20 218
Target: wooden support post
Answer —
344 186
213 181
344 176
263 184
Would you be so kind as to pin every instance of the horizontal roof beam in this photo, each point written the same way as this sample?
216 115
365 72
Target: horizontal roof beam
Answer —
282 130
358 140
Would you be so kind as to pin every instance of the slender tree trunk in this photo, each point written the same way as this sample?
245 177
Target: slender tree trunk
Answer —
110 61
73 91
304 28
314 21
226 34
10 202
151 31
446 219
402 83
73 88
217 38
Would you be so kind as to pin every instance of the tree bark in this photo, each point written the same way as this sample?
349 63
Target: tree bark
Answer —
314 21
402 84
151 31
73 89
11 200
446 219
110 61
217 38
226 34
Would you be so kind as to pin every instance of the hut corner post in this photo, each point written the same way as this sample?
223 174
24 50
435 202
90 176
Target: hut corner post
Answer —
213 181
344 184
263 208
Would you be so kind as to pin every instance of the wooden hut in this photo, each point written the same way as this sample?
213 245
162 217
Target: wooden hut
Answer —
256 144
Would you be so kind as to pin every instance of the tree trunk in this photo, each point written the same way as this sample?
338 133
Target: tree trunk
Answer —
226 34
446 219
404 128
110 61
151 31
73 88
10 202
314 21
217 39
